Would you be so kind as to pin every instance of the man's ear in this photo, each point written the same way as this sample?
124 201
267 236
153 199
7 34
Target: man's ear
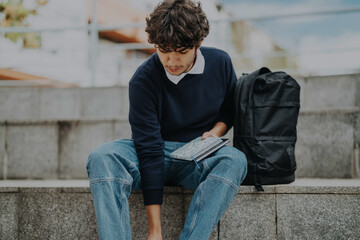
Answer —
199 45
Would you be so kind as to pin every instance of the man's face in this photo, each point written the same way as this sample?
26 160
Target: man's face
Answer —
177 62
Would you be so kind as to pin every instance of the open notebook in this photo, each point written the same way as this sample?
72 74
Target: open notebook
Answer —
198 149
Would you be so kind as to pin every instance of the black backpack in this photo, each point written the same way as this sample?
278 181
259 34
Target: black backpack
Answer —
266 113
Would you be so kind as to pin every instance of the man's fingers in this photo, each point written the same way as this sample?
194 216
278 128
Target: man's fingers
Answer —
207 134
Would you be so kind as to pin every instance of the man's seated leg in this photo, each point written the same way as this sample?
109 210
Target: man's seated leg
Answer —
113 171
216 184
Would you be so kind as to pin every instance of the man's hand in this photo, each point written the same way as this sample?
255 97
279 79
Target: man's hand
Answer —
154 237
217 131
208 134
154 222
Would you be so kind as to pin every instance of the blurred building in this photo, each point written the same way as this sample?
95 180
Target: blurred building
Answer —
254 48
61 55
64 55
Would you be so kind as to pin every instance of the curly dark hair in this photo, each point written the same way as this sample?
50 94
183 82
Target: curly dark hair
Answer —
176 25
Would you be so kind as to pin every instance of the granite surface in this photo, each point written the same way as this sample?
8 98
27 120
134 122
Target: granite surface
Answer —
250 216
8 216
318 216
3 168
305 209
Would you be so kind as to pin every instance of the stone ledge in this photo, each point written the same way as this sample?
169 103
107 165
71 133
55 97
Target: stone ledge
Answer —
329 111
281 212
300 186
321 186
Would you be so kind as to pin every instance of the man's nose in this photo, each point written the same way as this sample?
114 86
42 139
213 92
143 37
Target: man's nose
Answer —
173 58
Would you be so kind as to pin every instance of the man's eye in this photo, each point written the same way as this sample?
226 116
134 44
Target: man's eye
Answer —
184 52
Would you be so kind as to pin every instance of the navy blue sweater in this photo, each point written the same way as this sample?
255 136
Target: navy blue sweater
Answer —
163 111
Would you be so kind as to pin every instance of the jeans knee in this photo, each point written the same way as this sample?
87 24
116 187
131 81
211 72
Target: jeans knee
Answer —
95 162
103 160
238 165
113 160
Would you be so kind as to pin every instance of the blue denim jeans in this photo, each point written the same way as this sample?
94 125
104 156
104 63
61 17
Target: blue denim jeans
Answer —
113 170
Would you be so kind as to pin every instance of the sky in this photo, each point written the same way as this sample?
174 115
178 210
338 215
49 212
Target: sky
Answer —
293 28
325 43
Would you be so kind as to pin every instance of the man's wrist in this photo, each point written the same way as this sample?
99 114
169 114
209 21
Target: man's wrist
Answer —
219 129
154 221
215 132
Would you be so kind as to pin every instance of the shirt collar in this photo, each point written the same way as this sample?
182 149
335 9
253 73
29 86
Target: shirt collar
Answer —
198 68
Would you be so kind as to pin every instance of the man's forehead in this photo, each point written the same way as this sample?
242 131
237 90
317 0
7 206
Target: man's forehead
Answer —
173 49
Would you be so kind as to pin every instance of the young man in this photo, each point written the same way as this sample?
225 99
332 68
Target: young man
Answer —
181 92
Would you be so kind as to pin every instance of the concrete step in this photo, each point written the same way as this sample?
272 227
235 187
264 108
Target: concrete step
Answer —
41 103
305 209
34 103
328 145
330 92
53 149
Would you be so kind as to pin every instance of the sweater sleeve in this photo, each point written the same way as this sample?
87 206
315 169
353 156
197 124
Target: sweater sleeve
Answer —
226 110
148 142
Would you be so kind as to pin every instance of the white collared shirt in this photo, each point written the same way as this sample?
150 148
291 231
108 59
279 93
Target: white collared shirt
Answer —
198 68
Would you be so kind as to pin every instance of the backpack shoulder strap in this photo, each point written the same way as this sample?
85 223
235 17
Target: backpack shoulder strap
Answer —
238 86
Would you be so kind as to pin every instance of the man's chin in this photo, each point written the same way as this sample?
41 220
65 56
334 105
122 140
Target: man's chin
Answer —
174 73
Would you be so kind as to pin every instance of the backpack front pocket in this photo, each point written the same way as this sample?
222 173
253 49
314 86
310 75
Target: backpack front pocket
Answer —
275 158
